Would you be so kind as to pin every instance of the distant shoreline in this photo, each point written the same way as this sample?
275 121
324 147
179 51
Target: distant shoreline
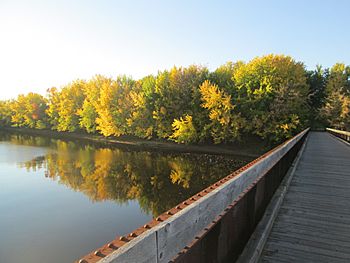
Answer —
250 150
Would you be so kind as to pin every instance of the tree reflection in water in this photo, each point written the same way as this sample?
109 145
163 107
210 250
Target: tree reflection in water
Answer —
158 181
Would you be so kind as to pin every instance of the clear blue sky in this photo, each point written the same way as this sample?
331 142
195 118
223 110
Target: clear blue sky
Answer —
49 43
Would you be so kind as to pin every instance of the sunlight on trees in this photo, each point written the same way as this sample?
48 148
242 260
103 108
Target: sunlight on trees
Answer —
5 113
336 109
224 124
184 131
141 122
271 97
29 111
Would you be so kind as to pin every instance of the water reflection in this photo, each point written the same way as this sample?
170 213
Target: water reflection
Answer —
158 181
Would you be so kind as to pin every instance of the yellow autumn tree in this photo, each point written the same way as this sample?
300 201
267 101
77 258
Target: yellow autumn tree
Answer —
113 107
64 106
184 130
88 113
272 95
5 113
225 124
29 111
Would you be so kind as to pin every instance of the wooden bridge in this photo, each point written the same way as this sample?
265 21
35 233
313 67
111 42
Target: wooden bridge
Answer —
313 223
290 205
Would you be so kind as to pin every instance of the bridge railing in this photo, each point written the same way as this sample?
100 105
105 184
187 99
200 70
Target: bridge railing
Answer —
212 226
345 135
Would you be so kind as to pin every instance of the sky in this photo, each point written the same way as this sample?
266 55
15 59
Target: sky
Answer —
46 44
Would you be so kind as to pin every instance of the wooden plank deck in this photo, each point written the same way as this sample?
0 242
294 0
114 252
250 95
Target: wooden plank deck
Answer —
313 224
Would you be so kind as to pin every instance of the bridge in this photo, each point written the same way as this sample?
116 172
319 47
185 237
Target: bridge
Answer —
290 205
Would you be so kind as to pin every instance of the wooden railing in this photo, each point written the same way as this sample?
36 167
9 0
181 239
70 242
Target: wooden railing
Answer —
345 135
213 225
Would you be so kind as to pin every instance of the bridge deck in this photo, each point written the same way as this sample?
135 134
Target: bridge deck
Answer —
313 224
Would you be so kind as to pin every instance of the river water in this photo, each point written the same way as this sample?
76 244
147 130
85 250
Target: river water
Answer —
61 199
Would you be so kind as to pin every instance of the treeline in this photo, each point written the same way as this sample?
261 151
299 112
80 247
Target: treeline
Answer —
272 97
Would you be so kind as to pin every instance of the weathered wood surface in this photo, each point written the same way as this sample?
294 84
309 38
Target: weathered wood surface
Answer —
162 243
338 131
313 224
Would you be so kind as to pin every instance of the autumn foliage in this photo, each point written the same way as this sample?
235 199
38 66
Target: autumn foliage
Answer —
271 97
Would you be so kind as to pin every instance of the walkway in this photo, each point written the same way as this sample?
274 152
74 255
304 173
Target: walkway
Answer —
313 224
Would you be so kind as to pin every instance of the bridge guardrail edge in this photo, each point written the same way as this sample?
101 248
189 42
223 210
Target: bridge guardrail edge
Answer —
162 238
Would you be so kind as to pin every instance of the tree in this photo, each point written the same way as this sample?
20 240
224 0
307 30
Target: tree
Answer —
70 101
184 130
177 94
225 124
5 113
222 77
317 81
140 121
29 111
88 113
337 106
53 107
272 96
114 106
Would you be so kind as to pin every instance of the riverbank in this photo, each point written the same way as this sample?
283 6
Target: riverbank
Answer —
250 148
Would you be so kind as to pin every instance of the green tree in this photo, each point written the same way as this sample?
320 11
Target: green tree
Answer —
222 77
336 109
317 81
140 121
177 94
272 96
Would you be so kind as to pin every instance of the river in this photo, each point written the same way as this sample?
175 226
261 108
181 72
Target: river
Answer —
61 199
